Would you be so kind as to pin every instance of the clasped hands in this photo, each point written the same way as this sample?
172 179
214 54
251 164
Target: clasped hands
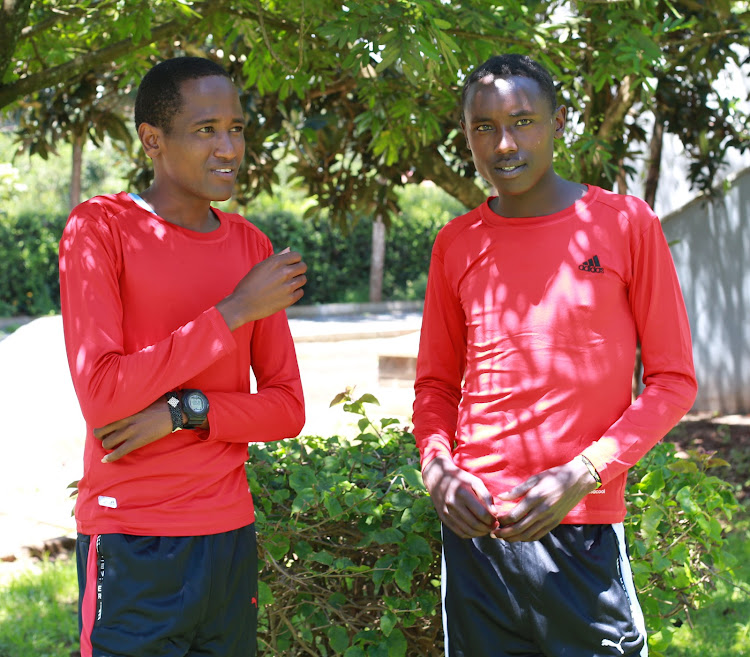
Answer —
465 505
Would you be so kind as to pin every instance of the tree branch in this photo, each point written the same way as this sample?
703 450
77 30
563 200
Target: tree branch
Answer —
13 14
70 69
431 166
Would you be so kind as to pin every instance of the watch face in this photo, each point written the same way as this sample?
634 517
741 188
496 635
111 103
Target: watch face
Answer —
196 403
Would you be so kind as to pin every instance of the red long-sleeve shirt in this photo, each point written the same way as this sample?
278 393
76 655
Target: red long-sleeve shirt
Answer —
528 344
138 301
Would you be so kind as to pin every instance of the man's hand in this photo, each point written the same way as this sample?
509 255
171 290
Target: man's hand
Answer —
124 436
462 501
545 499
271 285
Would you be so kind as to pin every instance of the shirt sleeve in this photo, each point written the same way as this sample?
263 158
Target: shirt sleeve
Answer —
663 330
440 365
277 409
111 384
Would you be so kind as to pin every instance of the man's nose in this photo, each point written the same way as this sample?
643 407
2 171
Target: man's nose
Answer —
223 145
506 142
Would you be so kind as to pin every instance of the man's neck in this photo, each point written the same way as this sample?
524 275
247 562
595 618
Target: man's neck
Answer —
544 199
196 216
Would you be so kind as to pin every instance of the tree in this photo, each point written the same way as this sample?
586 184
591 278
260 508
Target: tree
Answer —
363 97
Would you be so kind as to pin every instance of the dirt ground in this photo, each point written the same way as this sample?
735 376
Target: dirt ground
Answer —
728 437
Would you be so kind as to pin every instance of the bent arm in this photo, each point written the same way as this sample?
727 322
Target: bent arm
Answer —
277 409
110 383
666 352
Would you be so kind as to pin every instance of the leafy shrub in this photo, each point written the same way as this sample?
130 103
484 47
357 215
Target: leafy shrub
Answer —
29 283
350 542
675 527
348 539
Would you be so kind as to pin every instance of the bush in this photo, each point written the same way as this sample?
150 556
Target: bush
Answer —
29 283
350 542
348 539
677 515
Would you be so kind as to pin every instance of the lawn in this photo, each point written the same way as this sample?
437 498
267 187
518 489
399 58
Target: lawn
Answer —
722 627
38 609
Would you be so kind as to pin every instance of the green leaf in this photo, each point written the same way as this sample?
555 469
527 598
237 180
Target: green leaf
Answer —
650 523
333 506
301 478
277 545
388 535
417 546
265 595
338 638
413 477
355 651
326 558
396 644
341 397
387 623
304 500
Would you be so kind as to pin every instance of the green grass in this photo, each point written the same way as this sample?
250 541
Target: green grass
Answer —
722 627
38 611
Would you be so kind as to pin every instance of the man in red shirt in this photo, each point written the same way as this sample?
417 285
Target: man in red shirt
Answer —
523 413
168 305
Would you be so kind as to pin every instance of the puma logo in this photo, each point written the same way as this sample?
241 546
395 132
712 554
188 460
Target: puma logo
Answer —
607 642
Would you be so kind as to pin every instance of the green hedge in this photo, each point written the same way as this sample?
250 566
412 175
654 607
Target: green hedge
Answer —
29 282
349 542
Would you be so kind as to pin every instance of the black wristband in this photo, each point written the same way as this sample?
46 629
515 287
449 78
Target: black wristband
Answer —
175 410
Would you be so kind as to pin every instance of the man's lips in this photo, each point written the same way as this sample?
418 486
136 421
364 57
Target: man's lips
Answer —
224 172
507 166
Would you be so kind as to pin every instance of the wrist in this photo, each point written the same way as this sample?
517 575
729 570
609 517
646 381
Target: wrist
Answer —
230 311
592 471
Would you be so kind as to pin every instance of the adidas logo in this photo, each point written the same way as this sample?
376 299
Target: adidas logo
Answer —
592 265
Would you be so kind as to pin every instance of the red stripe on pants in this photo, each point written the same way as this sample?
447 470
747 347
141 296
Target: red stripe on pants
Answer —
88 606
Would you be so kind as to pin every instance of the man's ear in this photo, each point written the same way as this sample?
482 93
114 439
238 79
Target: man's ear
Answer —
560 117
466 137
151 139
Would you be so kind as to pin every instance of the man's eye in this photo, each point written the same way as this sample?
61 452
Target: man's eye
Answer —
483 128
206 129
237 128
523 122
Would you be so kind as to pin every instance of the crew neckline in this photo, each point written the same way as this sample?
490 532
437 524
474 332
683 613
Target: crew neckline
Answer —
494 219
211 236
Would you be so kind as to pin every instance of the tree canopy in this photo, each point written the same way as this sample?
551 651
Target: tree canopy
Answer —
362 97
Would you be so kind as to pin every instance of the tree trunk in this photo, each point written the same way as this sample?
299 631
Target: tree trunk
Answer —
75 172
377 261
654 160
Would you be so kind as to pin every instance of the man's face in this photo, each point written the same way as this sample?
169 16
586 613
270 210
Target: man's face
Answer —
201 154
510 129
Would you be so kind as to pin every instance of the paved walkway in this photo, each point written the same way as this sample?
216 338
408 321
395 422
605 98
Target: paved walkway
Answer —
43 429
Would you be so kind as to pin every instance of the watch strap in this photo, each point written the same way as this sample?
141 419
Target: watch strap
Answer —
174 404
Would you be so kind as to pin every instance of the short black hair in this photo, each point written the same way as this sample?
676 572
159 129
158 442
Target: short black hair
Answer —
506 66
159 95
